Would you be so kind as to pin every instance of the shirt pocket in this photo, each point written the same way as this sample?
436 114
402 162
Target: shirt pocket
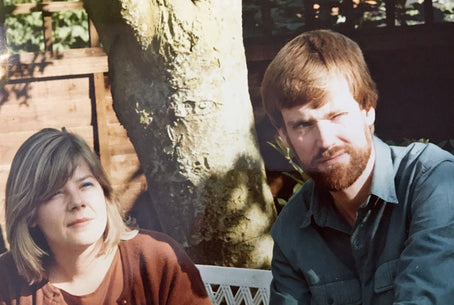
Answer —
384 276
345 292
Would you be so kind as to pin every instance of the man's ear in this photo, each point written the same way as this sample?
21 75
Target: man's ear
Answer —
283 134
369 115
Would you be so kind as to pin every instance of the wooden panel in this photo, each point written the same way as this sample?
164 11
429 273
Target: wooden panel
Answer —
63 63
127 193
50 7
19 92
377 39
10 142
111 115
40 113
119 143
124 168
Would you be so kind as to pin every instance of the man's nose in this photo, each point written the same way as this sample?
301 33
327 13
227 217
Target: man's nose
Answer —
326 134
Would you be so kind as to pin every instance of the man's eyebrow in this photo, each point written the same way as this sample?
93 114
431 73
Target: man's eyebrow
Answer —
300 121
335 111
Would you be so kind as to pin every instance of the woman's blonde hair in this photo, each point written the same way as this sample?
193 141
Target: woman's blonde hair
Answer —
41 166
303 68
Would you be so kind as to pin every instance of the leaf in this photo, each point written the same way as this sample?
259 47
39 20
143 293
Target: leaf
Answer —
281 201
297 187
297 179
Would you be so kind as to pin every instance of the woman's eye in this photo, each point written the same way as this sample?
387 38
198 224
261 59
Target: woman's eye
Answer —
55 194
87 184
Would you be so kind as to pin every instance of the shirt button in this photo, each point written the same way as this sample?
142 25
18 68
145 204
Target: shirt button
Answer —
330 301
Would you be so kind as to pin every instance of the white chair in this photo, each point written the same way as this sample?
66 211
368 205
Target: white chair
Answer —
236 286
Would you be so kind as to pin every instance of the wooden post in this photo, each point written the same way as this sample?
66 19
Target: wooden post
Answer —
3 45
3 49
101 120
99 95
309 14
428 12
267 20
349 14
47 27
390 13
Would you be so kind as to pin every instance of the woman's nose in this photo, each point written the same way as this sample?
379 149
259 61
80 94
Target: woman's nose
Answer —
76 200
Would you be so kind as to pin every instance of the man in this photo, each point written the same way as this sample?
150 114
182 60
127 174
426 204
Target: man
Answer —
375 224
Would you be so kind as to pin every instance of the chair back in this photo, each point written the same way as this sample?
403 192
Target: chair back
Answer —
236 286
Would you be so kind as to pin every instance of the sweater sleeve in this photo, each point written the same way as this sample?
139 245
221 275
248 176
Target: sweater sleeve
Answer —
161 272
13 287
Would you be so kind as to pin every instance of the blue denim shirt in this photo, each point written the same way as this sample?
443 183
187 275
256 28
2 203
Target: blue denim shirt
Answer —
400 251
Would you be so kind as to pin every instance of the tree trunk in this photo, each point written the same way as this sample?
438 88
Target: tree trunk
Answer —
179 84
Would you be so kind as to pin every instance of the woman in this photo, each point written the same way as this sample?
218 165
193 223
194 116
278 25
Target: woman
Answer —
68 242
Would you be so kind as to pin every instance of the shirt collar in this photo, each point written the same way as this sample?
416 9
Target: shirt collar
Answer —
383 177
382 187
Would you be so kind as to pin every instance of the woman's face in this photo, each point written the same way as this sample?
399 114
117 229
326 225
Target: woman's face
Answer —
75 217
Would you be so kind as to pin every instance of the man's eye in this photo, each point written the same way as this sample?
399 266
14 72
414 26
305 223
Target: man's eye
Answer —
339 115
303 124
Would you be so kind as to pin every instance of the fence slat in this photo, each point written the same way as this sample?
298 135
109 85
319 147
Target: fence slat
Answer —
49 7
63 63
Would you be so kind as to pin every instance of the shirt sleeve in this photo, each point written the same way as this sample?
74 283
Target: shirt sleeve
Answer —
287 286
425 269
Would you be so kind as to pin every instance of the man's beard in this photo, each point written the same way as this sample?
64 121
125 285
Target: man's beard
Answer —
340 176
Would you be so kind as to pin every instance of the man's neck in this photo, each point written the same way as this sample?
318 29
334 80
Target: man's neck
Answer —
349 200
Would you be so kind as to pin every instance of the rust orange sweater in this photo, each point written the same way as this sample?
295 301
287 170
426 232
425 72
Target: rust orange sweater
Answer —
156 270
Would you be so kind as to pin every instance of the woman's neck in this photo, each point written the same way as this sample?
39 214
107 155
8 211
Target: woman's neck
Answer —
80 272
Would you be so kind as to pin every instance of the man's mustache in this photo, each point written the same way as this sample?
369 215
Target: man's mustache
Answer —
328 153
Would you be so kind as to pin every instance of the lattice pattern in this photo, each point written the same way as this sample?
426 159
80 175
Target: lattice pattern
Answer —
243 295
236 286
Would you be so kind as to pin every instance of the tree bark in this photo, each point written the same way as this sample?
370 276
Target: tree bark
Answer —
179 85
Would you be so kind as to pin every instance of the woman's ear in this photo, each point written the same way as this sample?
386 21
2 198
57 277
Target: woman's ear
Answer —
32 219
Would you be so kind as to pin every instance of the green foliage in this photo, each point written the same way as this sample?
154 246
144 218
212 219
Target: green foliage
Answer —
444 10
25 32
70 30
301 177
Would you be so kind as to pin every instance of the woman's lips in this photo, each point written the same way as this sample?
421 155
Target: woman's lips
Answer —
79 222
